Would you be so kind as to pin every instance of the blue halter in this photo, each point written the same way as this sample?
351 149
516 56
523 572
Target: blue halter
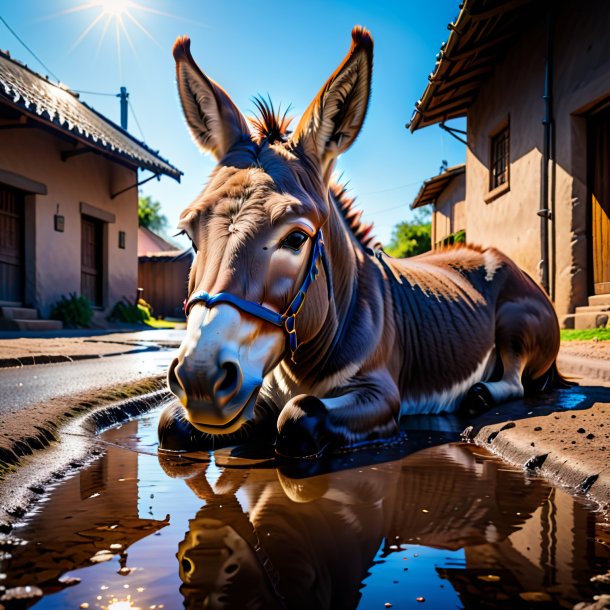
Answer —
287 320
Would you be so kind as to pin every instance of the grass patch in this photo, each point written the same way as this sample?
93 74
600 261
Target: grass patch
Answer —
164 324
591 334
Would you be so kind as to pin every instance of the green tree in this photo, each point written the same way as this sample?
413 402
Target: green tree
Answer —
149 214
411 237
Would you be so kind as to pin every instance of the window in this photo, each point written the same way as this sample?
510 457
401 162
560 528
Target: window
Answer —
499 159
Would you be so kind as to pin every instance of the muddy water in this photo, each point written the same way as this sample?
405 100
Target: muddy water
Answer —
421 524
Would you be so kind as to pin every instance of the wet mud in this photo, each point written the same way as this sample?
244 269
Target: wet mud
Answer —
425 522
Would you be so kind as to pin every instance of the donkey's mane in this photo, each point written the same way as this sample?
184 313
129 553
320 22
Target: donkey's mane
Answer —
272 125
353 217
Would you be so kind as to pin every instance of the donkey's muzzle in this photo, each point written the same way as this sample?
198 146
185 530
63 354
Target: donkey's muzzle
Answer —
214 397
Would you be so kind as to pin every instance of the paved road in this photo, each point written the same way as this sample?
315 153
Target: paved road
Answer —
33 384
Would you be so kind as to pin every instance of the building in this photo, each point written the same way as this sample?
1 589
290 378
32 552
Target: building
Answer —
446 193
533 81
68 198
163 272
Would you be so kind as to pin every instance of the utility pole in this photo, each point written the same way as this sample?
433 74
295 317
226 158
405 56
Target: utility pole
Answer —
123 95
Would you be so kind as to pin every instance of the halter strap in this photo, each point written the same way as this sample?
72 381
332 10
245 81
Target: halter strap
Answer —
287 320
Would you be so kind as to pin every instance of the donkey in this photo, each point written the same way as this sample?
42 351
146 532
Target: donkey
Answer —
333 361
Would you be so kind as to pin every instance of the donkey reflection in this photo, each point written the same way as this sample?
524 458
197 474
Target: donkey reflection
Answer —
335 361
309 543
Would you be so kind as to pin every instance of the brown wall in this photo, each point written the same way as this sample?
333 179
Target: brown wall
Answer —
449 210
581 77
165 284
53 259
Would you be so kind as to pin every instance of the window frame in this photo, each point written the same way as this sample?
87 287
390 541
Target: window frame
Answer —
496 190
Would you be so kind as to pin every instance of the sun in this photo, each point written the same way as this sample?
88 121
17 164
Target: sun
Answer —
113 18
114 8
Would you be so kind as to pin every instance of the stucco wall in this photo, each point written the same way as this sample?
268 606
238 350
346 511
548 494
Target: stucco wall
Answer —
89 178
513 94
449 210
581 76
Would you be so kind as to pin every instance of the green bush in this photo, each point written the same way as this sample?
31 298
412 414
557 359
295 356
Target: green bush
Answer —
124 311
74 310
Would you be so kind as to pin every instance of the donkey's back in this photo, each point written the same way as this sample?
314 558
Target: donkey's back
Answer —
473 329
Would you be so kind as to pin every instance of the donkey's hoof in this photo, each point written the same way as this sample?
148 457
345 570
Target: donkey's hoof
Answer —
302 430
177 434
477 400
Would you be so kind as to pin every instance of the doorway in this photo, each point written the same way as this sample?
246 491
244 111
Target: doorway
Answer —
92 256
11 245
600 200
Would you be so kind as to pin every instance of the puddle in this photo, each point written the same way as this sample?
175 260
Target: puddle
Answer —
423 525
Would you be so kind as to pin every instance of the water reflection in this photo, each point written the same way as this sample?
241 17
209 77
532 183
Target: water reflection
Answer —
277 542
92 517
446 522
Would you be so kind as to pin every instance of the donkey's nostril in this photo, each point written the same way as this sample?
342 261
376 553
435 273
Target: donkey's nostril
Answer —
172 377
228 380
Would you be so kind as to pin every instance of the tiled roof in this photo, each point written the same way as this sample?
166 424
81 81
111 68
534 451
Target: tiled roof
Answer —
149 242
61 108
432 188
478 39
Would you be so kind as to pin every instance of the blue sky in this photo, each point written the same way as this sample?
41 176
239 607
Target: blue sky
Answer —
286 50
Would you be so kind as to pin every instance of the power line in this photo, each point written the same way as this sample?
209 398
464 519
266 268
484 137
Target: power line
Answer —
394 207
393 188
10 29
133 112
94 93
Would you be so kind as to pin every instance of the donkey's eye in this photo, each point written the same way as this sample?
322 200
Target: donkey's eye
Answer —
295 240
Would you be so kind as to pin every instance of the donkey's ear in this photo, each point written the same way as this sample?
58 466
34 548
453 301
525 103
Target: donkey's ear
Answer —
214 120
334 118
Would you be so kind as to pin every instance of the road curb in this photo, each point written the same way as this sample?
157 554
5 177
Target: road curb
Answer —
565 447
24 471
579 366
21 361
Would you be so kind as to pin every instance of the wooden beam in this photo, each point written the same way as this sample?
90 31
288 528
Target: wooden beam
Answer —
68 154
465 78
22 121
496 42
506 7
459 102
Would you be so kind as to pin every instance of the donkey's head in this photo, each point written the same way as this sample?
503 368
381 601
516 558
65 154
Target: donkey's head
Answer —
256 230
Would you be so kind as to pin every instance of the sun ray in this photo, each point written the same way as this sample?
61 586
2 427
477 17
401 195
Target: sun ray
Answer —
127 36
143 29
154 11
123 14
149 9
103 34
85 32
117 32
75 9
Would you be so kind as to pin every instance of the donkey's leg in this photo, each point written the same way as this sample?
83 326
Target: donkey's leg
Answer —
519 325
484 395
365 410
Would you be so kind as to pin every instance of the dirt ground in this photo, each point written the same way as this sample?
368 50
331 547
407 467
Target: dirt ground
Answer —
24 351
571 448
600 350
